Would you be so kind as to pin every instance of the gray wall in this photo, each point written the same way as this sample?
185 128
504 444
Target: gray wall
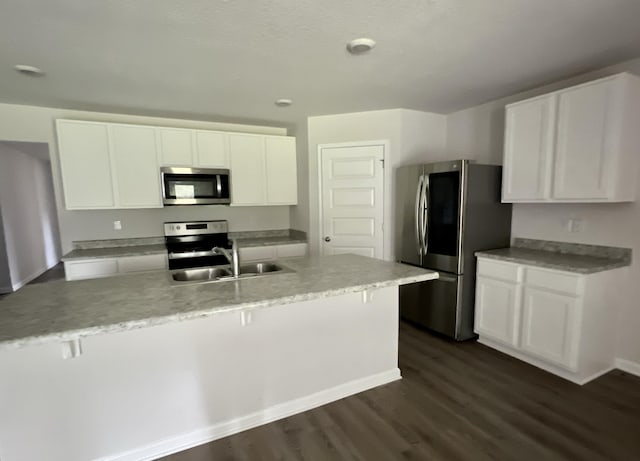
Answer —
30 224
5 276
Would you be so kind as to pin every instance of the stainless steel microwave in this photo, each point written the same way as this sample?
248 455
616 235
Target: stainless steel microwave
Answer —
195 186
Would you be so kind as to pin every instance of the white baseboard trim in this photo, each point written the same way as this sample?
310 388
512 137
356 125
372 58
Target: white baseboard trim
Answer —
217 431
628 366
28 278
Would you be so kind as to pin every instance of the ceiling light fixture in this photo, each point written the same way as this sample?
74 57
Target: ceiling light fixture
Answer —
360 45
29 70
283 102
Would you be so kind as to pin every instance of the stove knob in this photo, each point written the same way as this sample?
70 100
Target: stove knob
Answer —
177 227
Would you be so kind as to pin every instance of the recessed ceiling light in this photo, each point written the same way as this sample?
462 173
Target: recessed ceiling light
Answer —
28 70
283 102
360 45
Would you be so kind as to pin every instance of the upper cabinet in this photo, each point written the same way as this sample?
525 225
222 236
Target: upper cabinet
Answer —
107 165
192 148
574 145
87 177
263 170
113 165
134 157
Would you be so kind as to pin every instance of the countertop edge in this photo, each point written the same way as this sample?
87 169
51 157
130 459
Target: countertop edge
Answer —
558 267
156 321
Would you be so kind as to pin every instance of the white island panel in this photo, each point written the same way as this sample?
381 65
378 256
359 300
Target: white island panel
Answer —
144 393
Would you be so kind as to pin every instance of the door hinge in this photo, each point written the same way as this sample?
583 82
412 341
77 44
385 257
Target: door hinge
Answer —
382 161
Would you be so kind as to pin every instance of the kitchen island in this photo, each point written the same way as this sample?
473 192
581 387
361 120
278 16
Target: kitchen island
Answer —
157 367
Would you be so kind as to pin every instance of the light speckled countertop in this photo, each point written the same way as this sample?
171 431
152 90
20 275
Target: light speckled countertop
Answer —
562 256
94 251
115 252
61 311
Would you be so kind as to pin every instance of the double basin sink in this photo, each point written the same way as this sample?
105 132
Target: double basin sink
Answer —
222 274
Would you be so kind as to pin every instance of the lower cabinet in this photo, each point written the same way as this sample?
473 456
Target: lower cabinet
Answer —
105 267
497 315
550 326
562 322
265 253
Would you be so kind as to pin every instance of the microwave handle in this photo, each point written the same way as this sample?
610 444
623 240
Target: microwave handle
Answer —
219 185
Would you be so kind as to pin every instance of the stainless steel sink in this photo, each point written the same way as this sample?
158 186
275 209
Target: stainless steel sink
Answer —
204 274
223 274
259 268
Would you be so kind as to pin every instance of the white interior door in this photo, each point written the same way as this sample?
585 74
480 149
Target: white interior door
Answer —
352 185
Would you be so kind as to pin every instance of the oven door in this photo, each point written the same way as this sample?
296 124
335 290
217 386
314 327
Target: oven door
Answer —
195 186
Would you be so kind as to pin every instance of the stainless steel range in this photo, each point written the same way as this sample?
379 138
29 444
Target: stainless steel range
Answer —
191 244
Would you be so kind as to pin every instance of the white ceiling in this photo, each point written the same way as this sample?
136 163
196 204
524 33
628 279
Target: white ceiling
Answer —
230 59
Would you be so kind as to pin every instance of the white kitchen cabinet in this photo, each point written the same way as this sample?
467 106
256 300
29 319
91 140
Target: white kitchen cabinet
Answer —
281 170
562 322
263 170
90 268
81 269
261 253
175 146
134 154
85 164
112 165
211 149
550 326
578 144
271 252
528 149
497 310
248 182
142 263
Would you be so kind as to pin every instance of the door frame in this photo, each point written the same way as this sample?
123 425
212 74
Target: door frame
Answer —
385 149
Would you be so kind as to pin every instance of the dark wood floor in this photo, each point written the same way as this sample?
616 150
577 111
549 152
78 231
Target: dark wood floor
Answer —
53 274
455 402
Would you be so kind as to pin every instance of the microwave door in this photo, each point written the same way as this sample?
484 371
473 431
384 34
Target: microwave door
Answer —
441 211
409 189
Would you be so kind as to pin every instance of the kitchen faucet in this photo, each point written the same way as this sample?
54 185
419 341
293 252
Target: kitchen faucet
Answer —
233 257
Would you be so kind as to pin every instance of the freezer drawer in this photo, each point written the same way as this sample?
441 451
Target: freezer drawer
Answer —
439 305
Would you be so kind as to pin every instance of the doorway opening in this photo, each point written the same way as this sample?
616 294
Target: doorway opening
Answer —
29 231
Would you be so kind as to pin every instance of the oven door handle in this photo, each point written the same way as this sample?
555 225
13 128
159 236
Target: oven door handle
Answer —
191 254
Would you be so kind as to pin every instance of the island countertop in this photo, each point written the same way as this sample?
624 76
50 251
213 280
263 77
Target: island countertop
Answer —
63 311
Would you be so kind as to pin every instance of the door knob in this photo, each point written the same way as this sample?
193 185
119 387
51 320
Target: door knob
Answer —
327 239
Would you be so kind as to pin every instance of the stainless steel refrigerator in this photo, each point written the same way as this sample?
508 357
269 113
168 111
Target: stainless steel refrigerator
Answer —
445 212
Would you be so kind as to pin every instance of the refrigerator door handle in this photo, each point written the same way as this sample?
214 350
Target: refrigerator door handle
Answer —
424 212
418 213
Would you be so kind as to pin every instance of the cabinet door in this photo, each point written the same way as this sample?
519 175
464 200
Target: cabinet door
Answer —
550 327
497 310
90 269
142 263
528 150
86 168
582 146
211 149
294 250
261 253
281 170
136 166
176 147
247 169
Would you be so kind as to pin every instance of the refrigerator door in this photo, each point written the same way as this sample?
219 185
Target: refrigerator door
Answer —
443 212
435 304
410 186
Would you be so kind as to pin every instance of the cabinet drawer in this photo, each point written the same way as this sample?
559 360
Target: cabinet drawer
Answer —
142 263
264 253
292 251
554 280
79 270
499 270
